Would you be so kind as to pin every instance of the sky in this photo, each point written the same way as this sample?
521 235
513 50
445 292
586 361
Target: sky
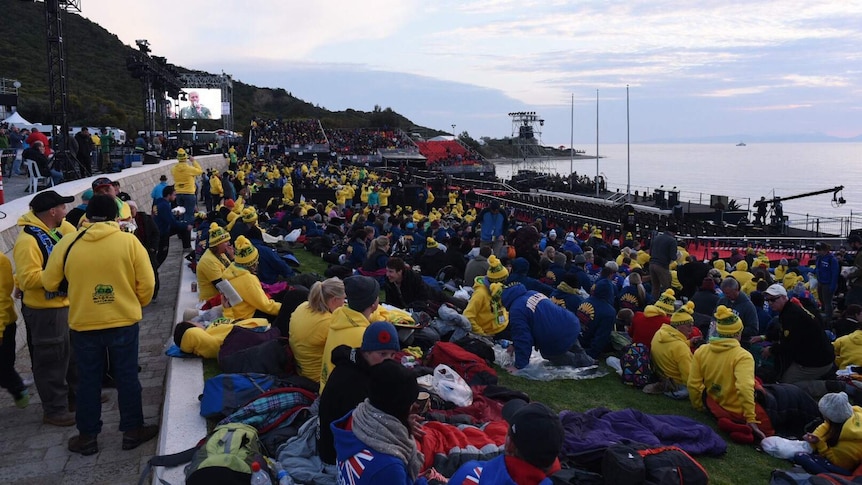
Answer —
694 69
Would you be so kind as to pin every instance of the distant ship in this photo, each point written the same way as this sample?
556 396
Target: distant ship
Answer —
741 144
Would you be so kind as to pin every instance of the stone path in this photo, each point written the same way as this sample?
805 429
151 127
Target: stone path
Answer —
35 453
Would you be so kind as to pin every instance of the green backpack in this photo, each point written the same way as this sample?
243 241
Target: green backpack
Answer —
226 456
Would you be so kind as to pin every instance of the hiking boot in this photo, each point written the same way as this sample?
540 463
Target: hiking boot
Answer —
138 436
22 399
62 419
85 444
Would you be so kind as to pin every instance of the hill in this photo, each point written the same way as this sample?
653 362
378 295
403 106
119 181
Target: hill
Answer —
103 93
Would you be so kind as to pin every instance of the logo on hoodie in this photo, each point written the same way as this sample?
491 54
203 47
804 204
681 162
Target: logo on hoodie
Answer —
103 294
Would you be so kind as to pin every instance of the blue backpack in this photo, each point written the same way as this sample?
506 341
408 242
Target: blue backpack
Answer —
225 393
635 363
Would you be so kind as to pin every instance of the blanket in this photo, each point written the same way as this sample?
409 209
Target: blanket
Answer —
447 447
536 370
596 429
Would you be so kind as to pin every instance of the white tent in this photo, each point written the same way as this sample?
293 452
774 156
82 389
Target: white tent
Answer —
17 120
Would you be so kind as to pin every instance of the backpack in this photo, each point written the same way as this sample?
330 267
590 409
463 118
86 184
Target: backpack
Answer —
792 476
225 393
468 365
635 363
634 463
226 456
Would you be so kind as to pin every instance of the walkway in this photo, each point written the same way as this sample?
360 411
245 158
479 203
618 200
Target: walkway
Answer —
34 453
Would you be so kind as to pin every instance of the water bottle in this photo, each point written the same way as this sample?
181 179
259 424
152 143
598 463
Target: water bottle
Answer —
258 476
284 478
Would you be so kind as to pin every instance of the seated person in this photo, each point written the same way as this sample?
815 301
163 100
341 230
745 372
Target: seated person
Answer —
597 317
195 338
215 260
568 293
348 384
532 447
670 352
645 324
271 267
309 326
722 378
405 288
485 310
837 442
377 435
848 350
350 321
536 321
36 152
241 274
520 267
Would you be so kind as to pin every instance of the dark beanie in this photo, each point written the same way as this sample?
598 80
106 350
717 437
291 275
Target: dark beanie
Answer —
392 389
707 284
102 208
361 292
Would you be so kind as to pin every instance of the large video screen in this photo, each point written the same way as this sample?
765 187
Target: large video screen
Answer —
201 104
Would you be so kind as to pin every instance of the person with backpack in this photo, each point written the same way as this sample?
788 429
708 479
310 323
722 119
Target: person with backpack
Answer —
722 379
374 442
837 443
533 444
536 321
348 384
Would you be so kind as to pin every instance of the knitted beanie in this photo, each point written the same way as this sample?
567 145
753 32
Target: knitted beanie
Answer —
361 292
249 215
217 235
728 323
380 336
666 302
835 407
430 242
496 271
246 253
683 316
182 156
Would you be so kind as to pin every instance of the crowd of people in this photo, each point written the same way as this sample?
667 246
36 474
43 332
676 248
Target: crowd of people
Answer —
740 337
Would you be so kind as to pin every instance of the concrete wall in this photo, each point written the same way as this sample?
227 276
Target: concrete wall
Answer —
137 182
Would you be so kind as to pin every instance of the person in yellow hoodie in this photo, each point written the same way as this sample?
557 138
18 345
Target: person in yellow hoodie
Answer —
46 314
216 188
722 379
741 273
194 338
837 442
721 266
213 263
670 351
384 194
184 174
848 349
241 274
104 311
349 321
9 378
485 310
287 191
309 326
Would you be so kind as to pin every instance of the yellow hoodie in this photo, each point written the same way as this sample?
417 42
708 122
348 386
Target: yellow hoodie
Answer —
207 343
210 268
308 332
108 298
384 197
216 187
848 349
346 328
184 176
7 283
726 371
721 266
29 262
741 274
847 453
253 297
671 354
480 312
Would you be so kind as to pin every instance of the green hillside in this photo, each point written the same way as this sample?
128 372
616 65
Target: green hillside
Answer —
103 93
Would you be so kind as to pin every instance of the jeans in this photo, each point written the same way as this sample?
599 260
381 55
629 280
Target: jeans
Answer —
9 378
187 201
57 176
121 343
826 296
815 464
16 165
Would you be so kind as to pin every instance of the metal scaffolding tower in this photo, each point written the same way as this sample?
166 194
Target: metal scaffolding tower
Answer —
527 140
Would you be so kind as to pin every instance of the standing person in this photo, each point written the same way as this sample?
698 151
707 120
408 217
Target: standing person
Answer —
184 174
85 148
16 142
147 232
828 270
168 225
75 215
156 193
854 278
493 224
9 378
106 142
46 313
216 190
662 253
105 308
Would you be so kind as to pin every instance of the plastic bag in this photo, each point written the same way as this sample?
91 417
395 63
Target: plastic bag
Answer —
451 387
784 448
536 370
293 236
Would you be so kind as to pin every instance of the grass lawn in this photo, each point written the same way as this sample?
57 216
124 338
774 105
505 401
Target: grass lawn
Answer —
741 464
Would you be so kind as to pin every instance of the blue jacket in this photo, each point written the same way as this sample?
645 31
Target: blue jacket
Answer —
492 225
156 193
491 472
166 221
536 321
359 254
271 265
597 315
572 246
828 270
520 266
359 465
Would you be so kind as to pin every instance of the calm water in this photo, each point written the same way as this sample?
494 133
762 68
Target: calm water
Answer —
698 170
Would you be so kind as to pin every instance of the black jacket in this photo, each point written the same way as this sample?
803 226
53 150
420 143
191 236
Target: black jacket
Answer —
412 289
346 387
802 340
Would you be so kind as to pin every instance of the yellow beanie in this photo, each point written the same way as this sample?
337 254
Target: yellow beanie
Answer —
246 253
496 271
683 316
217 235
666 302
182 156
430 242
728 323
249 215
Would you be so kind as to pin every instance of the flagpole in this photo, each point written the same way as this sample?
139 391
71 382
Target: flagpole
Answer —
597 142
572 140
628 151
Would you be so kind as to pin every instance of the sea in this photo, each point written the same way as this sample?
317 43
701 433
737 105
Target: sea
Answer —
743 173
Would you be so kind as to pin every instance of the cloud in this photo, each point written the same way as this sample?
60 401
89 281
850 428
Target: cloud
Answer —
774 108
817 81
